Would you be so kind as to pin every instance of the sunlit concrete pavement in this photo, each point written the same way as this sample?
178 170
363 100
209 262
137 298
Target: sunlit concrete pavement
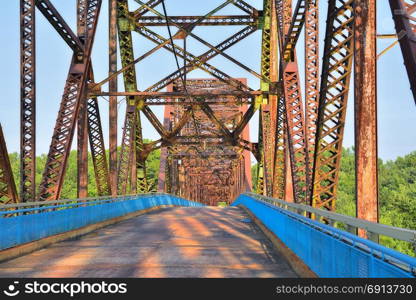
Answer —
174 242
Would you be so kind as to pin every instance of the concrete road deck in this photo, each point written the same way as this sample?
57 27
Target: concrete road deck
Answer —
173 242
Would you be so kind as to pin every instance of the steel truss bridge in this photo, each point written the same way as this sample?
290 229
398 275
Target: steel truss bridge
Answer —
204 135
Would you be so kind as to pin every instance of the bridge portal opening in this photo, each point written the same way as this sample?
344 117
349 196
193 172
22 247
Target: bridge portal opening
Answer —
207 161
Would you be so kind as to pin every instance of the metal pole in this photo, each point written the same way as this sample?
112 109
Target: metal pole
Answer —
112 46
27 101
365 77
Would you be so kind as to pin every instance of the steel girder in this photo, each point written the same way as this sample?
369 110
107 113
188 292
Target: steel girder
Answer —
208 21
404 16
97 146
112 87
295 122
267 111
202 59
281 165
127 158
295 28
8 191
311 73
53 16
27 101
365 107
53 176
126 151
336 73
82 127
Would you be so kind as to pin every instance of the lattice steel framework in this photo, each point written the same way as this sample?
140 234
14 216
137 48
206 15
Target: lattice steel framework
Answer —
8 191
27 101
336 73
299 145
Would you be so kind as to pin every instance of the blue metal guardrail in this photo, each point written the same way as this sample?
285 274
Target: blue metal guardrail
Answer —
35 222
328 251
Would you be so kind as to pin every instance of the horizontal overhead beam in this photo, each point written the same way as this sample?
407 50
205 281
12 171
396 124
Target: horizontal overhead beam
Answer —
190 20
179 95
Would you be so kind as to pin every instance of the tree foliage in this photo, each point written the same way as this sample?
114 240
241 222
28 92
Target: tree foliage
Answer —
69 189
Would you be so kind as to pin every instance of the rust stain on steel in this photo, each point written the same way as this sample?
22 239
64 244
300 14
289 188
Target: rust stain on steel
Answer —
203 162
366 110
113 113
8 191
27 101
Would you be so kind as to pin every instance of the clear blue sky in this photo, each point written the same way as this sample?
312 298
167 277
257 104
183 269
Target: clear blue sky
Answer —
397 111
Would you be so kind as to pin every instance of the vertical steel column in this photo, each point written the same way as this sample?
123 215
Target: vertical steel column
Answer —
311 72
8 191
130 83
296 136
267 127
168 171
125 158
280 161
53 176
82 128
97 146
82 150
141 181
365 92
112 45
260 186
27 101
333 97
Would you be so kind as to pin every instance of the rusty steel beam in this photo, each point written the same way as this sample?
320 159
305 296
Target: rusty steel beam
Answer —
404 16
192 59
53 176
266 143
112 87
140 155
126 151
128 163
97 146
295 29
27 101
182 95
203 150
187 31
61 27
296 139
281 163
131 64
208 21
365 93
244 6
336 74
196 62
82 128
143 9
82 151
311 73
8 191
